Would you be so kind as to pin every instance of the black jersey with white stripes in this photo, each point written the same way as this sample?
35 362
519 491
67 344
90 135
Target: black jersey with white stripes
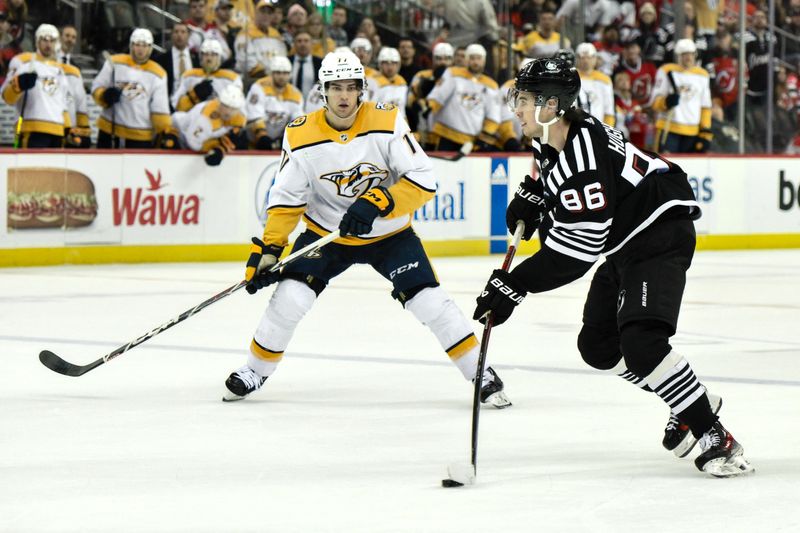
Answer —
602 191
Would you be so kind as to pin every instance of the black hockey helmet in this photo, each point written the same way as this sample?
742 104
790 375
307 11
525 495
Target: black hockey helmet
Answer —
567 55
548 78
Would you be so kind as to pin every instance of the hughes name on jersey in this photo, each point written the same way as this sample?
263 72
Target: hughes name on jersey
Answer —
323 171
602 191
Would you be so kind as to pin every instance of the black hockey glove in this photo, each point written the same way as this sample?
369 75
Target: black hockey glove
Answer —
237 138
512 145
501 295
111 96
528 205
672 100
213 157
262 258
26 81
359 217
263 142
202 90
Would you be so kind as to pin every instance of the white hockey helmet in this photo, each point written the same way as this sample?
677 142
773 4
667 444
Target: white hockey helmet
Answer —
524 61
232 96
444 50
361 42
685 46
585 49
341 66
47 30
211 46
475 50
389 55
142 36
280 64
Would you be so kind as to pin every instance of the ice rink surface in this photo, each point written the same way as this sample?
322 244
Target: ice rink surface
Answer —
355 430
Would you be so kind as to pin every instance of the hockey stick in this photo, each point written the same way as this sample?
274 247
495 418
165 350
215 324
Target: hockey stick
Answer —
107 57
18 132
465 150
671 113
460 475
57 364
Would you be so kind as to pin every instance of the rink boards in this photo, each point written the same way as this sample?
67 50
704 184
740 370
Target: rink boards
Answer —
138 206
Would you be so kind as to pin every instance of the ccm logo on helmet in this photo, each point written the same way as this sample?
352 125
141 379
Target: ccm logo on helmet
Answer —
513 295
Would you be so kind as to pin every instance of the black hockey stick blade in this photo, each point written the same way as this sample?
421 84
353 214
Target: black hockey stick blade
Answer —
56 364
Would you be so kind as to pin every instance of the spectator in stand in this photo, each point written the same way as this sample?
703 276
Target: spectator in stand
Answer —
757 53
391 87
442 36
222 29
724 72
544 41
529 10
707 20
471 21
596 96
276 21
642 74
793 45
272 103
464 104
196 24
132 90
367 28
784 124
7 47
17 12
726 135
296 20
682 96
597 14
69 36
418 114
408 58
37 86
321 44
689 32
651 39
362 48
305 67
460 57
608 50
259 43
177 59
631 119
336 29
199 84
215 127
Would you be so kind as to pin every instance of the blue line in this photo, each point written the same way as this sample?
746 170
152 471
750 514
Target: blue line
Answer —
389 360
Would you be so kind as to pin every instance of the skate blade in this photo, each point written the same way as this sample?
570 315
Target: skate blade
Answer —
231 397
687 444
735 466
499 400
461 474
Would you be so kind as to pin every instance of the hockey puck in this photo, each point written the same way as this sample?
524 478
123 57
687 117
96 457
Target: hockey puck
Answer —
447 483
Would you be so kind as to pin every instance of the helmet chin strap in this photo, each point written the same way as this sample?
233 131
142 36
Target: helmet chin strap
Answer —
545 125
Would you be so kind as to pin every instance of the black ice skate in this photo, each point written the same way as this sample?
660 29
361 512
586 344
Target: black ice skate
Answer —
677 437
721 455
241 383
492 390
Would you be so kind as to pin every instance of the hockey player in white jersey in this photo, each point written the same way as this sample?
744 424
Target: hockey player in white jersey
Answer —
132 89
597 91
272 103
214 127
682 96
598 195
199 84
390 86
418 113
259 42
355 166
38 87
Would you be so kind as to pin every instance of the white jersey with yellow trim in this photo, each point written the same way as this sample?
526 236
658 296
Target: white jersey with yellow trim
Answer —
183 100
272 109
597 96
323 171
76 97
143 108
693 112
46 104
464 105
255 49
201 127
394 91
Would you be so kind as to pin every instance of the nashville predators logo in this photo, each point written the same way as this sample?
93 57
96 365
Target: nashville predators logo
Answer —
132 90
49 86
356 181
471 101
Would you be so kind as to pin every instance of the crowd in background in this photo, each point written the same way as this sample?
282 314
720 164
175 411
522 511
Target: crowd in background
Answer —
235 72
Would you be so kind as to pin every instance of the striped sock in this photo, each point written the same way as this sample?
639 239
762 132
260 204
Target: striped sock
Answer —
675 382
622 371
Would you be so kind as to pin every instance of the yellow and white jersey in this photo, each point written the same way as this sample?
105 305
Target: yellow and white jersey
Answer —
536 46
323 171
272 109
597 96
255 49
464 105
76 97
509 123
693 112
201 127
183 99
143 109
313 99
371 76
46 105
394 91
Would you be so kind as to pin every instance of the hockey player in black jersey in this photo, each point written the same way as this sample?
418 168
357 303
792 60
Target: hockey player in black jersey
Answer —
598 195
